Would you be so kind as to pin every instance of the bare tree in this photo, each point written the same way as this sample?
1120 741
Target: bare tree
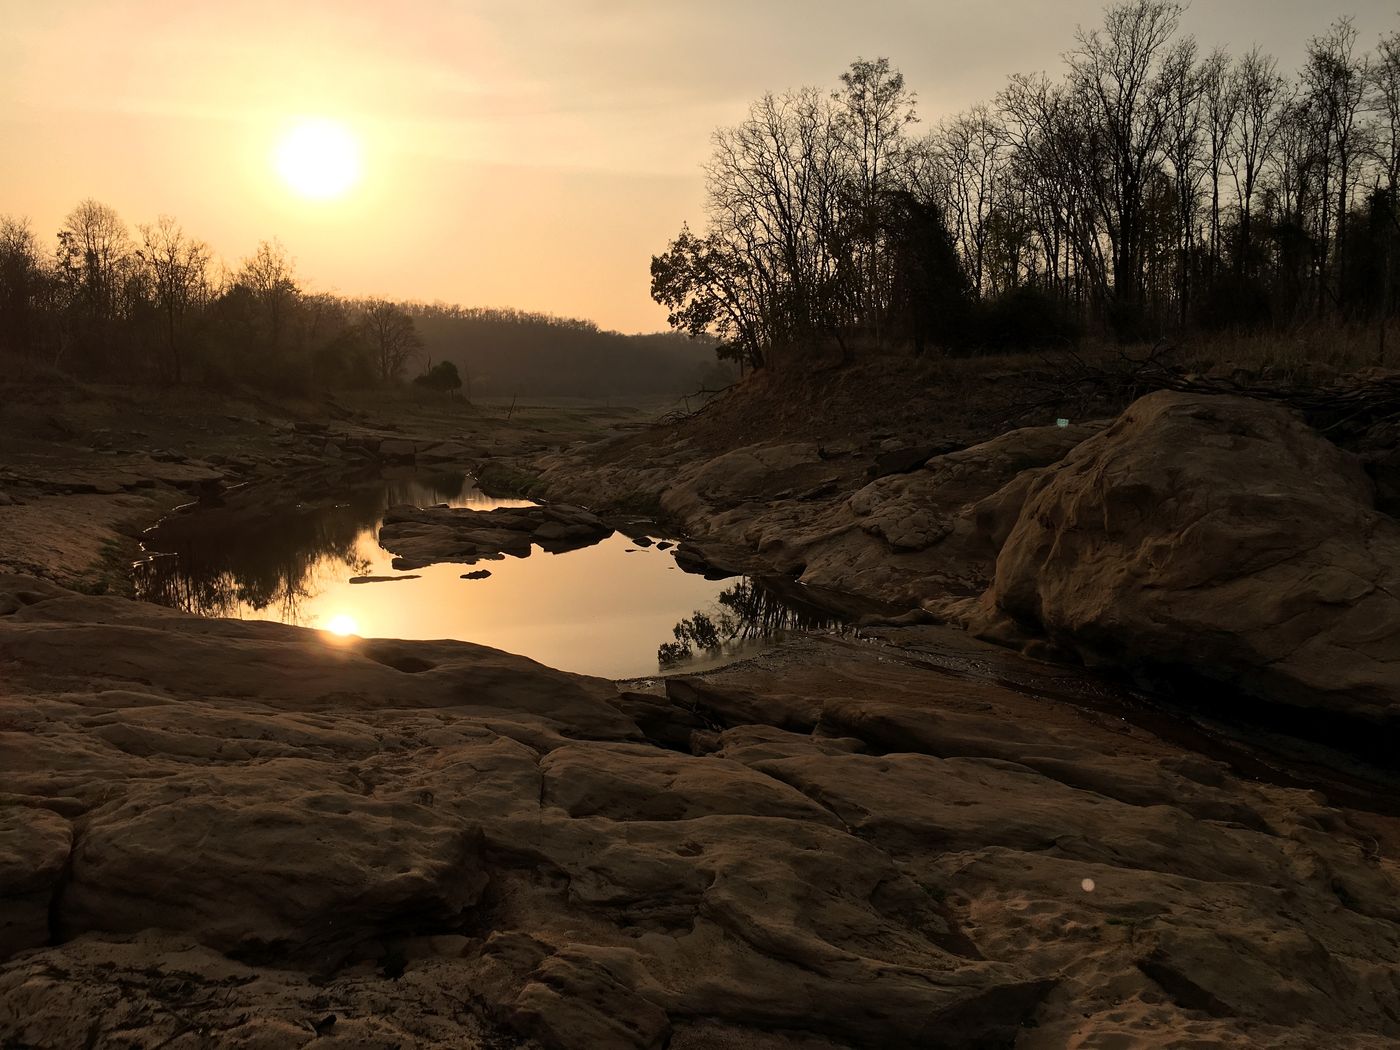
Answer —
270 277
93 245
1185 150
22 286
1336 79
392 337
874 109
970 151
178 267
1221 106
776 195
1119 73
1262 99
1385 103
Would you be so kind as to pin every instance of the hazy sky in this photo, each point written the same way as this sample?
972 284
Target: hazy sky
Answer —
530 153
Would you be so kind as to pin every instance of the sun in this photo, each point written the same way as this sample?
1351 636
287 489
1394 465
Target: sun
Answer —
319 159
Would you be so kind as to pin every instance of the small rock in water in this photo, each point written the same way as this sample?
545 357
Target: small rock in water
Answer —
381 579
665 545
480 574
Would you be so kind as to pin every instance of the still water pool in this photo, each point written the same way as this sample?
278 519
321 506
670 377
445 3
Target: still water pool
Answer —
601 610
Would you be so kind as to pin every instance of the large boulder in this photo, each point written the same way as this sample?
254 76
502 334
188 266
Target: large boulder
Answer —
1218 534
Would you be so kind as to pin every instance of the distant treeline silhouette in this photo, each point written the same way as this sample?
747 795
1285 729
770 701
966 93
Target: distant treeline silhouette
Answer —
515 351
155 305
1150 187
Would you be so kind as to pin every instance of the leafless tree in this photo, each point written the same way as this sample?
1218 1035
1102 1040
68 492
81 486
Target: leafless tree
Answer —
970 152
392 338
178 268
1186 152
1221 107
1261 93
873 111
23 282
269 275
1122 74
1336 79
93 246
776 195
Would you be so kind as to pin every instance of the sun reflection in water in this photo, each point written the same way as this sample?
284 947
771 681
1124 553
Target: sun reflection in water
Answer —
342 625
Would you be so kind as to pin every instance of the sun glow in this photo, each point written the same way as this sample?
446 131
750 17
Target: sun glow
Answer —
319 159
342 625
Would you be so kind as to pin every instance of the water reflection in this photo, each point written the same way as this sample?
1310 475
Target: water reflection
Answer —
249 555
598 610
744 614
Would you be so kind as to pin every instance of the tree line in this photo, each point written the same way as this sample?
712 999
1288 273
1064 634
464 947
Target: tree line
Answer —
154 304
1149 186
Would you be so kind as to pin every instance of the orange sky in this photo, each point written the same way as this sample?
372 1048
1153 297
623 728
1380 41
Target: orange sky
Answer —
532 153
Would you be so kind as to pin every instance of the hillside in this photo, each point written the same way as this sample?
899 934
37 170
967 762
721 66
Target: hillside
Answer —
507 352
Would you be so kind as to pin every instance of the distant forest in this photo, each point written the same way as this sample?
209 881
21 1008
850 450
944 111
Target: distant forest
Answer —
504 352
1150 187
104 303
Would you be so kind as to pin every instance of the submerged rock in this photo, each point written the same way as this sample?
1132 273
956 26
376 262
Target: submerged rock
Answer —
423 536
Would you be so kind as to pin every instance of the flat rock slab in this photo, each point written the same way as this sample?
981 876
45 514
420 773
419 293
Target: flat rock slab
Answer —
423 536
256 832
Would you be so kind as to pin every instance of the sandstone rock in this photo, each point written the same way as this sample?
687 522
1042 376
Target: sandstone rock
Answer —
902 460
34 848
397 448
281 840
931 532
745 475
1219 535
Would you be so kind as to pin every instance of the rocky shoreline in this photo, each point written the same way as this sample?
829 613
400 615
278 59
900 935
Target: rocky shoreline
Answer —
1213 536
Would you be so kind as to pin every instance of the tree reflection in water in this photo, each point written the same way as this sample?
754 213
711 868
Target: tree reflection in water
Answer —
748 611
250 553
